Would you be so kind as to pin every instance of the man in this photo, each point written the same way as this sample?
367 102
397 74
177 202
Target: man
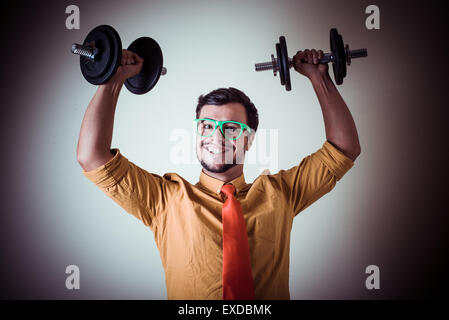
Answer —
221 238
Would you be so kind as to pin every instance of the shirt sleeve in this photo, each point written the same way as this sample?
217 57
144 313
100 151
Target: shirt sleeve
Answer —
316 175
139 192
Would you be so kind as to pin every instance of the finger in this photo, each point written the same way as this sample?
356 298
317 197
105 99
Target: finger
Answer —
127 55
314 56
310 56
297 58
130 57
300 55
136 58
124 55
306 56
320 54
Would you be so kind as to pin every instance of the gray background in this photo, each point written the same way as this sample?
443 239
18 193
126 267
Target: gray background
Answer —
389 210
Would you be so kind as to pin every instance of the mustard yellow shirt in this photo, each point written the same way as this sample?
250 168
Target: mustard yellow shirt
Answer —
186 218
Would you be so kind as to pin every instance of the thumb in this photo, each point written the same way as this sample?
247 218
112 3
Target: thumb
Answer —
297 59
138 58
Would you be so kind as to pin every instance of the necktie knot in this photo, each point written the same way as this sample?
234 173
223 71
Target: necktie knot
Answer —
228 189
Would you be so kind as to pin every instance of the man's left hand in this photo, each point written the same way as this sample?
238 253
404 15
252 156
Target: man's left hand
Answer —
306 63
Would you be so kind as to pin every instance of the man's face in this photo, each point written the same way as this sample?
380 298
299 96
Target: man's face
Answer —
216 153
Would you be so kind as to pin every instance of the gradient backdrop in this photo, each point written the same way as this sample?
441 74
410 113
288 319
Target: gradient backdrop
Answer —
390 210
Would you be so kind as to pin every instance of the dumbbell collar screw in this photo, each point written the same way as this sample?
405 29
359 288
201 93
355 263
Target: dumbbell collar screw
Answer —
88 50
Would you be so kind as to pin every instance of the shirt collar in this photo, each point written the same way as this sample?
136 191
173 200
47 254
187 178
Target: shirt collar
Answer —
215 185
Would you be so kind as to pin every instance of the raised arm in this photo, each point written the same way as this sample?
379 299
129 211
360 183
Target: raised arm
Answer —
94 143
339 124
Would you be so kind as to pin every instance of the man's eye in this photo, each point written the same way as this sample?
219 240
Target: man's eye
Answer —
207 126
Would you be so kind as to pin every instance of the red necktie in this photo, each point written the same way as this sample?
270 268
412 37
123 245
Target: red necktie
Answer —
237 276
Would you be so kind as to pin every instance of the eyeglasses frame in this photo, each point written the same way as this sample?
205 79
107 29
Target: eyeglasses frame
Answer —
219 123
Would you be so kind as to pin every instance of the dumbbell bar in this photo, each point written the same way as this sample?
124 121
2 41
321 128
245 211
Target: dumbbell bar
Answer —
90 52
101 55
327 57
340 56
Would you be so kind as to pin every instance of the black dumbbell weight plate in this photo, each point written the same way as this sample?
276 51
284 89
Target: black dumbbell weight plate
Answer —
106 62
149 50
341 45
284 63
338 50
281 71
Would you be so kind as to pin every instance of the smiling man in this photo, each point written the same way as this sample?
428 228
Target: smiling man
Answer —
226 122
221 238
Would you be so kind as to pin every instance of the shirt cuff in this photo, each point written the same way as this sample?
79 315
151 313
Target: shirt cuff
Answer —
335 160
109 174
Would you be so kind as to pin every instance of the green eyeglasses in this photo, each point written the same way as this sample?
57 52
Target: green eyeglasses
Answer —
231 130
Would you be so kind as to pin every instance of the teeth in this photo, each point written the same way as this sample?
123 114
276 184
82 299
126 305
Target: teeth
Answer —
215 150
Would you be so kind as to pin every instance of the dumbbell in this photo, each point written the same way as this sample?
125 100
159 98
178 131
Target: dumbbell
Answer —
101 55
340 56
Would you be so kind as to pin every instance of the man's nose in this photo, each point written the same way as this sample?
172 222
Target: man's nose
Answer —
218 136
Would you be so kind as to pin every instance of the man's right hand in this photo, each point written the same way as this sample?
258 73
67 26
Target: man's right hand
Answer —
307 63
130 65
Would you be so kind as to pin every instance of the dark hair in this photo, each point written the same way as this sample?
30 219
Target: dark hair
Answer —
222 96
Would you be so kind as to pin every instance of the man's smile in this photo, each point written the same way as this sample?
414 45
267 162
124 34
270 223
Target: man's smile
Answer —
215 149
